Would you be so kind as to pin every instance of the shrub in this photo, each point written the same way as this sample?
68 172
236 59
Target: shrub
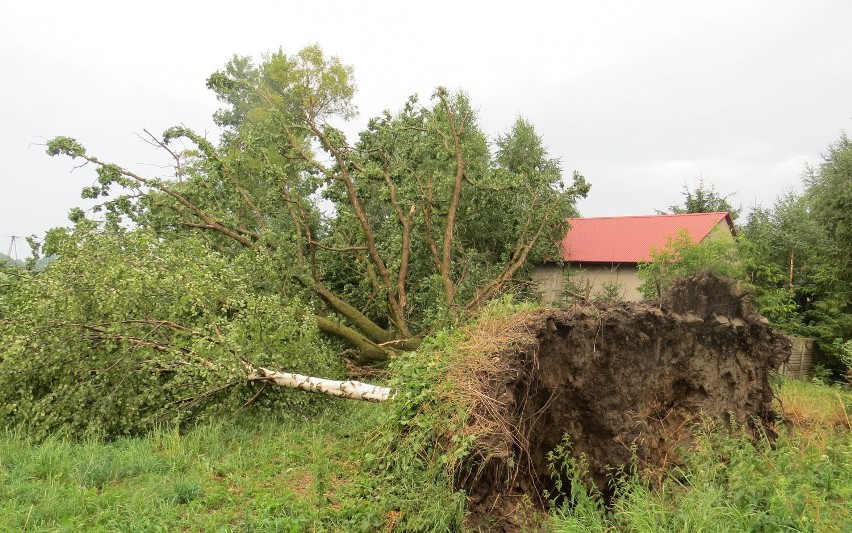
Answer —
124 331
681 257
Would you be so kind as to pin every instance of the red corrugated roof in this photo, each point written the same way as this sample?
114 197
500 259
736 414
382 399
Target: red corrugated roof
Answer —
630 239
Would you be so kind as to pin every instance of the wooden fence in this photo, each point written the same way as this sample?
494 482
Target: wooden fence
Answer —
801 361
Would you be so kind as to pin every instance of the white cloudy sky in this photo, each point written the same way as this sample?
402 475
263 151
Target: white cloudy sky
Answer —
641 97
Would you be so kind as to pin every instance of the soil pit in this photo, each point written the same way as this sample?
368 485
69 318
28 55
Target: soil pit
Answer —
618 379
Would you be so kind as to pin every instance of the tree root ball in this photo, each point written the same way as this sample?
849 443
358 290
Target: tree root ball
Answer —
619 379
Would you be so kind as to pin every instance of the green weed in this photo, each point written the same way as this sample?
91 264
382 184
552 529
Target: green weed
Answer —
802 481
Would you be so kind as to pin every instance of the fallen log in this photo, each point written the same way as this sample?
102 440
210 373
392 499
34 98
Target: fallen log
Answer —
354 390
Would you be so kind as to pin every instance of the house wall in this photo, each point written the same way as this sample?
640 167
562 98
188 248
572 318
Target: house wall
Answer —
626 275
590 278
721 231
551 281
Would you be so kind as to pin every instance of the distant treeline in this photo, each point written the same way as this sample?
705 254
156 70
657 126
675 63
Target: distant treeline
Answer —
39 265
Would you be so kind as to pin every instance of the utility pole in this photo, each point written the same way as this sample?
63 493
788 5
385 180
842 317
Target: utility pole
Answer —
13 246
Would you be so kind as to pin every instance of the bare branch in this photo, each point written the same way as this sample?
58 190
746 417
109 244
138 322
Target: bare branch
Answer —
135 341
209 222
154 141
397 316
335 249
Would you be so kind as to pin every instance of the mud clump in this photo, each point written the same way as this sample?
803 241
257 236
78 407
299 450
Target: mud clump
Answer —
618 379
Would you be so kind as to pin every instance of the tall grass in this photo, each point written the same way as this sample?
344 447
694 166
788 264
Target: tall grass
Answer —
801 481
807 405
284 474
292 474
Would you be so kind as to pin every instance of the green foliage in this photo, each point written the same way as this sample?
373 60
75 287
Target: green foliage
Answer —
65 146
828 310
794 255
406 230
574 507
682 257
124 331
820 375
611 291
844 349
704 199
786 257
411 455
830 194
11 276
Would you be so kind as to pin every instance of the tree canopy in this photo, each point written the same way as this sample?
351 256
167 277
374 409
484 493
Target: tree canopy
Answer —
798 254
414 225
829 191
704 199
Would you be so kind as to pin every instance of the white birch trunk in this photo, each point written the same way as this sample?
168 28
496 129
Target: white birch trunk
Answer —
354 390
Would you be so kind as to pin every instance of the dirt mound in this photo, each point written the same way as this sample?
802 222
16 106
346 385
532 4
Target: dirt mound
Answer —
618 379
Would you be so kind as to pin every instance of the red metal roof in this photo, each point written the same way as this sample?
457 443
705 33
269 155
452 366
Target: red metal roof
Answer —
630 239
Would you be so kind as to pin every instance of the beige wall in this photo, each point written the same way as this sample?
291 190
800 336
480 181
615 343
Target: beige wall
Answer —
721 231
550 280
591 278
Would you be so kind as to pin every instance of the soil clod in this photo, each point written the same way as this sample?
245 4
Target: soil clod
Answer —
621 380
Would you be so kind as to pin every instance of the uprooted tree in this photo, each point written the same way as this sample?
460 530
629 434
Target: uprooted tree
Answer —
611 385
216 281
411 228
124 332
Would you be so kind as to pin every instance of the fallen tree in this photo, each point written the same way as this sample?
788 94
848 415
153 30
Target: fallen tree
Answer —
353 390
620 380
125 332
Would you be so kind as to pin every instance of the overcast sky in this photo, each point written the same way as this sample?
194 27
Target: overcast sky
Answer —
640 97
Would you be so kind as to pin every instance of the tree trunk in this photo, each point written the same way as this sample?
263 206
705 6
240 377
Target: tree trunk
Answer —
354 390
369 351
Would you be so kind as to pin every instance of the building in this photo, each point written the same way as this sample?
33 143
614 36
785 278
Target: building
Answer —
603 253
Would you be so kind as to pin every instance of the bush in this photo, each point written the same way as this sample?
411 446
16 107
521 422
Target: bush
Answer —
681 257
124 331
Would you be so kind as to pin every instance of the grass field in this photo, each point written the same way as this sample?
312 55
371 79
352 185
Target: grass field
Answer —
290 474
251 475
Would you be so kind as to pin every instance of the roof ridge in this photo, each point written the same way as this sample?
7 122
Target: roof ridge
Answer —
657 215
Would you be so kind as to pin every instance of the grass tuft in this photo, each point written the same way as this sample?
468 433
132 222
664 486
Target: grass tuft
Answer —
806 405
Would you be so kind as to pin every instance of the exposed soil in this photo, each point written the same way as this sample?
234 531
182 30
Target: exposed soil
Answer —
618 379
